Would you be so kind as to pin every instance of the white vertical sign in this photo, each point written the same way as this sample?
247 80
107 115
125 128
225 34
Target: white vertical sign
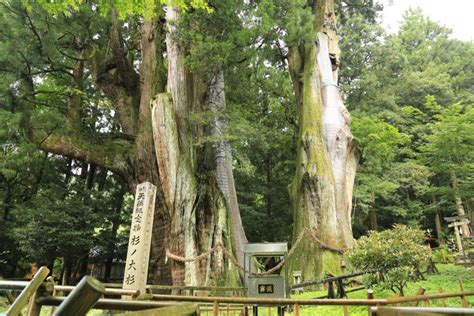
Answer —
138 254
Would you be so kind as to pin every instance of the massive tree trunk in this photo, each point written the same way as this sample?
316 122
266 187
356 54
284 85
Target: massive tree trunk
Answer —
198 190
322 188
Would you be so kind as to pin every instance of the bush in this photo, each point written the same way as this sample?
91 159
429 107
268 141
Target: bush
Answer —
442 254
396 254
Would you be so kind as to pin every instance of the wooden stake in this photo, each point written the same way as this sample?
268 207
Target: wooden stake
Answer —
346 310
87 292
463 297
215 309
296 310
421 291
28 292
443 300
370 296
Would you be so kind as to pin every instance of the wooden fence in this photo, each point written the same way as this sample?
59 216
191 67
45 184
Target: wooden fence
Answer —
89 293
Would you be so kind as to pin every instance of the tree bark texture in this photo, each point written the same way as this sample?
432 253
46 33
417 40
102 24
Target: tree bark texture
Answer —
439 230
198 189
322 187
215 101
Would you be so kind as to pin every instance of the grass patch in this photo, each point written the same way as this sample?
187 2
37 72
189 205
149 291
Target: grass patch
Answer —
447 279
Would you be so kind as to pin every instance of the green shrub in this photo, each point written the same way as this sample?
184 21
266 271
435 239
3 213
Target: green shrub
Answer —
442 254
397 254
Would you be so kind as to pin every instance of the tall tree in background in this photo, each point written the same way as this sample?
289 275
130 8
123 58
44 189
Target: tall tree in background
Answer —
450 152
407 80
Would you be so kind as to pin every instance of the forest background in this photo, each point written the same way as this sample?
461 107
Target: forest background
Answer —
410 95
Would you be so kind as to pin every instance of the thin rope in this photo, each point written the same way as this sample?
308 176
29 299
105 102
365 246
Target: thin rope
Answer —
232 258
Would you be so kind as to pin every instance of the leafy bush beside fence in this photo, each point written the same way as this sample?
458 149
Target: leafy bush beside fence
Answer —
397 253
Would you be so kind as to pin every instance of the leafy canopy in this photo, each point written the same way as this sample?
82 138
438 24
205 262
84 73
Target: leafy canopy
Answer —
124 8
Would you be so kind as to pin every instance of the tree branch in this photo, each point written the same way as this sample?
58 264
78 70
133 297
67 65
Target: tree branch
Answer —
112 155
127 74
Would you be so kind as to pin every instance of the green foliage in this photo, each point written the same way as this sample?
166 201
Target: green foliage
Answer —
450 148
378 142
54 228
442 254
447 279
261 124
125 8
397 254
410 95
407 80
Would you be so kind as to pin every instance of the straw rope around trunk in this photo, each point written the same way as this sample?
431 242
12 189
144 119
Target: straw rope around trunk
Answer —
232 258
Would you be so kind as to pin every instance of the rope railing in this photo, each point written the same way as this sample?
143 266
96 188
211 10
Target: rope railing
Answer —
231 257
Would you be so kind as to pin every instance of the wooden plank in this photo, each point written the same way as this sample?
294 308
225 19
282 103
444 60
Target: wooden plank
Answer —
34 309
107 303
420 311
81 300
187 309
330 279
166 300
197 288
455 218
25 295
459 223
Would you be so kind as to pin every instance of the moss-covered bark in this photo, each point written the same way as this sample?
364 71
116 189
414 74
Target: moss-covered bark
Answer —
321 190
197 211
193 189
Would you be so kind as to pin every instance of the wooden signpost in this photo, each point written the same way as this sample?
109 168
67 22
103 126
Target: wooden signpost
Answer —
457 222
138 254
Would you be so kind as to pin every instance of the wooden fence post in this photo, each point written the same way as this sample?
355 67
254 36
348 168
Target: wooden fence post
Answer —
443 300
296 310
34 309
421 291
341 292
331 293
463 297
345 309
28 292
82 298
370 296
